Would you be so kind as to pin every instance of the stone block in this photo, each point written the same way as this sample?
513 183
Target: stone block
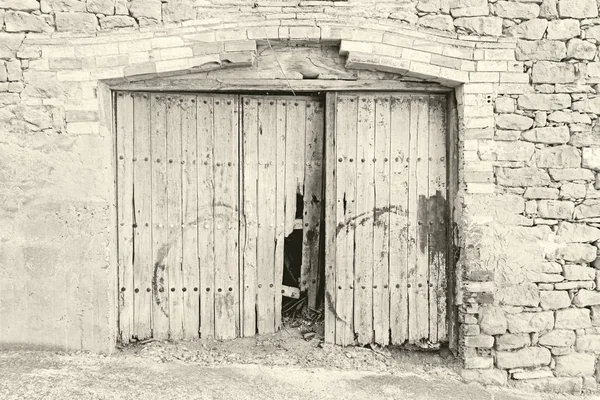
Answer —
571 174
565 156
76 22
587 138
595 314
553 72
478 362
555 209
117 21
512 341
506 105
563 29
528 322
558 338
505 151
149 9
585 298
588 209
479 341
572 318
588 344
441 22
513 122
571 285
526 176
571 190
556 385
580 50
18 21
532 374
20 5
538 50
52 6
577 233
591 158
492 320
524 294
577 9
178 10
105 7
554 300
576 252
524 358
485 376
14 71
548 135
588 105
512 10
532 30
544 102
541 193
490 26
575 364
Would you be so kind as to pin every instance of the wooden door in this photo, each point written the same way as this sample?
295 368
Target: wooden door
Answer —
386 219
207 188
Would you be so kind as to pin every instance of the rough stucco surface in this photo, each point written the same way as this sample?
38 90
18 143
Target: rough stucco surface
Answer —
526 75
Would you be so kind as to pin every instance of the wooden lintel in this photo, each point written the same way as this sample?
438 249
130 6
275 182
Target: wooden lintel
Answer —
277 85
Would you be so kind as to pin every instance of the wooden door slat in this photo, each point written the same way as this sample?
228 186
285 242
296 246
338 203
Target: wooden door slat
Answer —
250 218
160 277
364 224
226 217
330 217
189 241
399 158
143 217
313 199
437 214
125 179
280 165
267 196
206 214
381 222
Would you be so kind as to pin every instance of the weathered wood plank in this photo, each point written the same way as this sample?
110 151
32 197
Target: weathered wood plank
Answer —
143 217
298 85
125 179
226 217
174 218
381 222
346 152
437 212
294 174
330 218
250 220
280 165
399 179
365 202
160 277
267 197
189 179
413 178
206 216
452 233
422 188
313 200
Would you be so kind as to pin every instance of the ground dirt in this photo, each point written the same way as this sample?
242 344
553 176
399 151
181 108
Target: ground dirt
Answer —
292 364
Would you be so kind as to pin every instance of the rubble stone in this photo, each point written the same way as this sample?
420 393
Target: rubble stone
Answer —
528 357
572 318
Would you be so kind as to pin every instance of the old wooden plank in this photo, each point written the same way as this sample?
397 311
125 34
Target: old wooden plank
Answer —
313 200
267 196
250 219
143 217
298 85
160 277
422 229
174 217
226 217
437 212
399 179
413 178
451 231
365 202
346 152
124 151
381 222
280 166
206 216
189 180
330 218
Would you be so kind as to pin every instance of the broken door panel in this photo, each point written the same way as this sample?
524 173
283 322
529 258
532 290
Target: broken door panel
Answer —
387 167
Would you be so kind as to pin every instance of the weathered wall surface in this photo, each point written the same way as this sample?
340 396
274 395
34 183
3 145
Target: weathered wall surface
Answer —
526 74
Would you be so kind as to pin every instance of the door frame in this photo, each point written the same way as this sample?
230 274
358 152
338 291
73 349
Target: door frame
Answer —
290 87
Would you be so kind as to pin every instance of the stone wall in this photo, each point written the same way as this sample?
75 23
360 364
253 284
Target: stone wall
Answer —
526 74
